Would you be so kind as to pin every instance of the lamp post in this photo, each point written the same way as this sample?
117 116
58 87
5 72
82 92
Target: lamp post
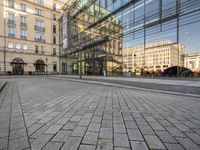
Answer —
80 65
4 51
46 66
135 64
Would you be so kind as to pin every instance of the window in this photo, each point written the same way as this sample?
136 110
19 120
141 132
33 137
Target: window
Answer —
42 49
39 12
54 6
25 47
54 17
11 3
54 40
23 34
39 37
54 28
40 1
11 18
39 25
23 7
36 49
54 51
55 67
11 32
193 64
23 20
10 45
18 46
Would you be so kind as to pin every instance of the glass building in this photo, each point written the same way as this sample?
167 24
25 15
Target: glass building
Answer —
133 37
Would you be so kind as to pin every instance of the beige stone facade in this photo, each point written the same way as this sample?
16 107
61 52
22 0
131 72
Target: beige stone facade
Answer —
157 56
192 61
30 36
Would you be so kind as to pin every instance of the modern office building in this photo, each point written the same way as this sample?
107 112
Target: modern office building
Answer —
92 50
30 36
158 56
135 24
192 61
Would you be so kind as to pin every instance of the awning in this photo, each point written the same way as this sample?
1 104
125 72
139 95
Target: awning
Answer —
20 63
39 64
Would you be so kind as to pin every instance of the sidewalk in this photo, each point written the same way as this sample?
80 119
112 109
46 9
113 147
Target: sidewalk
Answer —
49 114
173 85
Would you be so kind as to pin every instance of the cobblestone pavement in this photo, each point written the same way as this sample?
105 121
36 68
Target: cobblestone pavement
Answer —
39 113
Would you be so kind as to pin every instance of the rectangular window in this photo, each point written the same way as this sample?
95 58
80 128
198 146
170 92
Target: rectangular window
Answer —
42 49
54 40
36 49
193 64
39 25
55 67
39 12
54 28
11 18
40 1
54 51
23 34
54 6
11 4
23 20
10 45
54 17
23 7
11 32
18 46
25 47
39 37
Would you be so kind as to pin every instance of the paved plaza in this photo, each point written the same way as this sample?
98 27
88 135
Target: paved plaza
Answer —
42 113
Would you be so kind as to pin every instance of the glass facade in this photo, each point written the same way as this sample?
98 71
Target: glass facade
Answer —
134 37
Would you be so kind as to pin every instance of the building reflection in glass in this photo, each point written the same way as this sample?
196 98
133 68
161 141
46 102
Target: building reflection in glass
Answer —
123 37
93 50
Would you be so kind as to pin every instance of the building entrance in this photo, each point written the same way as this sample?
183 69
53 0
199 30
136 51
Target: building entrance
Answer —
18 66
40 67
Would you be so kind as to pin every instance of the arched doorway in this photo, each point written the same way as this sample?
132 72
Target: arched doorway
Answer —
40 67
18 66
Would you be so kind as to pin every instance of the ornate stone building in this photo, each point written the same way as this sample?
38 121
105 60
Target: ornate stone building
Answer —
29 36
158 56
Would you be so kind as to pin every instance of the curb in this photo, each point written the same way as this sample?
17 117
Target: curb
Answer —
125 86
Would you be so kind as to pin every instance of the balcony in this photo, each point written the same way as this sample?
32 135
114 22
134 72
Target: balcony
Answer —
41 2
23 24
11 35
38 28
23 37
11 22
40 40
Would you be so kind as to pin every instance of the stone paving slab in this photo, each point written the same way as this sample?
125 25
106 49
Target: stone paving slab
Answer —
39 113
13 128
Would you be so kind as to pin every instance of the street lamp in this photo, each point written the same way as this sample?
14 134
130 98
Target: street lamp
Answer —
80 65
135 64
46 66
